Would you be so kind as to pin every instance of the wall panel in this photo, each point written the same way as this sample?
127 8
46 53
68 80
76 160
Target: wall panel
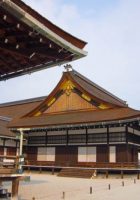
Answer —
51 154
42 154
112 154
82 154
91 154
102 154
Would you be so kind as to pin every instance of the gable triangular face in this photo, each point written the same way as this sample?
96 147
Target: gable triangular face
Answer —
67 96
70 101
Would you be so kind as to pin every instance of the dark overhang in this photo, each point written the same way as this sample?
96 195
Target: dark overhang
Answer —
29 42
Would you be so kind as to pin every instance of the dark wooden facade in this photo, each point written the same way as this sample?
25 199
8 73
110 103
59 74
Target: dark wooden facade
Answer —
67 147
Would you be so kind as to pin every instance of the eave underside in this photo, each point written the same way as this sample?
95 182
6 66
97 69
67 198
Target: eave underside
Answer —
24 50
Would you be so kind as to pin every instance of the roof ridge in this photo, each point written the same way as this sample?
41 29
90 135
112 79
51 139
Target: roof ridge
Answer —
23 101
3 118
97 86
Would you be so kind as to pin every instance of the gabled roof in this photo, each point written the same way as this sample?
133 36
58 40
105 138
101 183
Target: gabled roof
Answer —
19 108
4 131
29 42
87 89
71 118
108 107
95 90
11 110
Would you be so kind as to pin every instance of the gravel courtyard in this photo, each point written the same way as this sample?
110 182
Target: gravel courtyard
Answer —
45 186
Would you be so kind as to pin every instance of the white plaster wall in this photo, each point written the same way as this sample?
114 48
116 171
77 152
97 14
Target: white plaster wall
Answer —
46 154
51 154
117 129
97 130
10 143
137 132
82 154
1 142
91 154
112 154
56 133
5 151
80 131
42 154
86 154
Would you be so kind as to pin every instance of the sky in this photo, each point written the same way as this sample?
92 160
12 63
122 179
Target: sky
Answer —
112 30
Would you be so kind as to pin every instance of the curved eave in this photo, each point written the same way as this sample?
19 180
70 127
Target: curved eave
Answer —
59 31
32 22
72 119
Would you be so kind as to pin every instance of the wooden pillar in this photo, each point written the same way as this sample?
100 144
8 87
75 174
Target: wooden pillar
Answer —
53 171
15 186
107 173
138 175
86 135
67 136
108 145
121 174
127 148
46 137
21 143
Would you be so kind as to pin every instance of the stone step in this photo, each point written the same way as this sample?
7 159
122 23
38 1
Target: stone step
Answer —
76 173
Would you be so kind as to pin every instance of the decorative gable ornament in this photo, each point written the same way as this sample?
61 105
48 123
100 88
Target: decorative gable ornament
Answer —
68 87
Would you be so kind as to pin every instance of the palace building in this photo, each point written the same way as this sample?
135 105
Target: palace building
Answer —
77 124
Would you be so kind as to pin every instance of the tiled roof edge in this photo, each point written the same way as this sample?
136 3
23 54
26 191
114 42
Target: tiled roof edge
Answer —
31 100
74 72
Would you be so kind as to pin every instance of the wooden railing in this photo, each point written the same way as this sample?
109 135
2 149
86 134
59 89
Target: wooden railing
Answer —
130 165
8 164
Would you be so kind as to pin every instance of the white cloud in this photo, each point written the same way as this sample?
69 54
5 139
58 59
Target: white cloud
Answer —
113 45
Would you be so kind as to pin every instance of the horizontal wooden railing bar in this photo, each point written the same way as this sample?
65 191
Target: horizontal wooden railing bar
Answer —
97 168
7 171
8 157
82 164
100 167
8 163
105 171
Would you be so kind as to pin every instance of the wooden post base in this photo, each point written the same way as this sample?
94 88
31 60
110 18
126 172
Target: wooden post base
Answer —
15 186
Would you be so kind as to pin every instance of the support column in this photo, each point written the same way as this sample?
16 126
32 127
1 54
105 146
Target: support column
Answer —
21 159
15 186
127 147
46 136
86 135
21 143
67 137
108 148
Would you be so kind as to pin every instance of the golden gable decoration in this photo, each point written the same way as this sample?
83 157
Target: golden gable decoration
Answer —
68 87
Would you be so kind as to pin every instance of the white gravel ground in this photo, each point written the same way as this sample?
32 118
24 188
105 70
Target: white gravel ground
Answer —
45 186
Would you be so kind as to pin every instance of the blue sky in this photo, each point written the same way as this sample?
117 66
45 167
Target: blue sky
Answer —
95 6
112 30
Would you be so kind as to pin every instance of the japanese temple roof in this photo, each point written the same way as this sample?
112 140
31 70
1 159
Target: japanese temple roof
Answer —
107 107
4 131
95 90
76 118
29 42
14 109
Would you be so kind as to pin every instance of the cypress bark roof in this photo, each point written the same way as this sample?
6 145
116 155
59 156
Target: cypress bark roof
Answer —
116 109
76 118
95 90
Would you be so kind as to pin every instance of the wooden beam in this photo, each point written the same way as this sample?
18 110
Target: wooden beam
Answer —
13 50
